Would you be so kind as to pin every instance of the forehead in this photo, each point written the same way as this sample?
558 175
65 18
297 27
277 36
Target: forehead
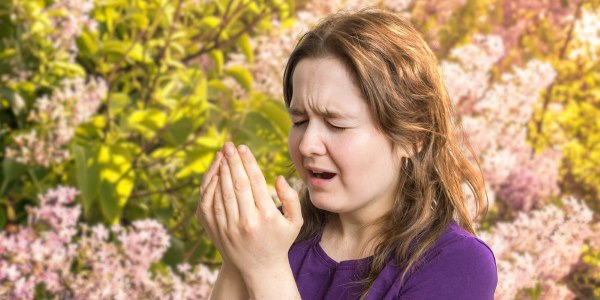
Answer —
325 86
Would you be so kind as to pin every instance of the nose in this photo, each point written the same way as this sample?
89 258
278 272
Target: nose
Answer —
311 142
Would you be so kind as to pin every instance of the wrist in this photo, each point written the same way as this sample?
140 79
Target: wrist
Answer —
261 282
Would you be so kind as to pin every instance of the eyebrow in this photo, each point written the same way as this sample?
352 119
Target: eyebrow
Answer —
330 114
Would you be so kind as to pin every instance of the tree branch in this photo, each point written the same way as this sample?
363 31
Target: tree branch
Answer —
540 122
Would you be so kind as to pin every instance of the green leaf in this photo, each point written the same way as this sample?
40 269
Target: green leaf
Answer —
258 130
88 174
140 20
2 218
210 22
178 132
118 102
62 68
116 179
175 253
86 43
217 57
277 113
241 75
162 152
246 46
12 169
202 154
164 213
109 203
200 161
147 122
8 53
216 88
117 49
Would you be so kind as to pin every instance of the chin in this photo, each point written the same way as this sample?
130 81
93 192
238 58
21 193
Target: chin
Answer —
329 205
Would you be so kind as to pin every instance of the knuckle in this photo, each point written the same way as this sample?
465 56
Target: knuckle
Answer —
231 235
203 207
228 195
218 210
249 226
241 185
256 180
204 196
269 215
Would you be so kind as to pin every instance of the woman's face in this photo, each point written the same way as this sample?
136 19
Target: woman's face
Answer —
333 134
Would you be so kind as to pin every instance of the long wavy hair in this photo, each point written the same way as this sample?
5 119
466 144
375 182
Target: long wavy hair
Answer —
400 78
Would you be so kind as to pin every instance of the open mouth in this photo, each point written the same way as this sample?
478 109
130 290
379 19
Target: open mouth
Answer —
322 175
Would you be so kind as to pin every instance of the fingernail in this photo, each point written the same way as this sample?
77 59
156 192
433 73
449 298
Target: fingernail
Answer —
224 161
228 149
242 148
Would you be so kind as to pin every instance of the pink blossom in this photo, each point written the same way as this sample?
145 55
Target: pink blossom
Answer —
587 36
495 115
111 264
56 117
70 24
539 247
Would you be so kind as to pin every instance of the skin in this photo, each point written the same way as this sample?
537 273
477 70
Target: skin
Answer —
241 219
239 216
349 144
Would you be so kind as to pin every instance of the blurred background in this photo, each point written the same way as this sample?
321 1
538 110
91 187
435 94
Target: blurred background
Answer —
112 110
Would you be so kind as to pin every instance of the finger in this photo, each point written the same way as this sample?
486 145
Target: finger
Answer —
240 184
204 210
212 170
257 179
211 226
289 200
229 198
219 210
206 215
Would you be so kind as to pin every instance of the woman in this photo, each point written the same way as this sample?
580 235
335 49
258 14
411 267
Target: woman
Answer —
383 214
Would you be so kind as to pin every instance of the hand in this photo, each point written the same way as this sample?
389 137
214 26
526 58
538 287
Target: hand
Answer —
204 210
229 284
251 232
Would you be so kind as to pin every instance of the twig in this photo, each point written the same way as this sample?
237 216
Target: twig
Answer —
162 52
540 122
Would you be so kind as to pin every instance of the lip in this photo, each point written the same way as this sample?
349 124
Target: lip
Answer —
318 182
317 170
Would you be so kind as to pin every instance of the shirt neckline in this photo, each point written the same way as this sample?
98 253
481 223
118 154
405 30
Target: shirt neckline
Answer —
332 263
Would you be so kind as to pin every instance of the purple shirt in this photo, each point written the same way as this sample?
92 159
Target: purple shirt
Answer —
458 266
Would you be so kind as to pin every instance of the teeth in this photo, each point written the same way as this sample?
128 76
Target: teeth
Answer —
319 175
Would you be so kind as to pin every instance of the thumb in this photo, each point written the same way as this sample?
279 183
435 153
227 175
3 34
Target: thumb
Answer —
289 200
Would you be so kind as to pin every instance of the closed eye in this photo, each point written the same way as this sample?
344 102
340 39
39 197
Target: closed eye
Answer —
299 123
336 127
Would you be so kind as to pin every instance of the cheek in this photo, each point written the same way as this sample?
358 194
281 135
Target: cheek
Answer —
364 154
293 143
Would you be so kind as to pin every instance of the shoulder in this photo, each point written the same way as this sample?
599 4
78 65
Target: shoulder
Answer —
458 266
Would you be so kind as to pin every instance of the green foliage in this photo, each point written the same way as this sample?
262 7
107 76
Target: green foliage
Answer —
568 116
585 279
166 114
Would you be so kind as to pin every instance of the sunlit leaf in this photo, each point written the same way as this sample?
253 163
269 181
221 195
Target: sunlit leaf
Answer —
241 75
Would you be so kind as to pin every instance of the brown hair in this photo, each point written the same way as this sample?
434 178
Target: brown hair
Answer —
400 78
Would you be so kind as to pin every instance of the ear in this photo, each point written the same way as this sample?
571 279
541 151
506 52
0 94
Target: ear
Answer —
420 145
408 151
400 152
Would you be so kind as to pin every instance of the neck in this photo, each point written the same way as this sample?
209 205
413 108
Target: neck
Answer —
362 222
353 233
344 240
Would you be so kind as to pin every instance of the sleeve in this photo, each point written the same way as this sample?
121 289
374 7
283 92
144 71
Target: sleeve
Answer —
463 269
